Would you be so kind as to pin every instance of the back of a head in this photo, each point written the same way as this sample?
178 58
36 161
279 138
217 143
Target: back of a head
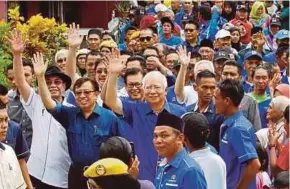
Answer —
232 89
286 114
117 182
282 180
116 147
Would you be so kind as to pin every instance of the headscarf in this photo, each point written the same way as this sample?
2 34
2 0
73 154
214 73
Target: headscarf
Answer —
256 6
280 103
283 89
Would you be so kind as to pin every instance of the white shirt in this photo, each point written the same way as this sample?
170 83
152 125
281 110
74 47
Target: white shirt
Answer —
49 160
213 166
10 172
190 96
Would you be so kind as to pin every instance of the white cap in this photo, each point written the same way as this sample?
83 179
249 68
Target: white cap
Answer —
203 65
160 8
222 34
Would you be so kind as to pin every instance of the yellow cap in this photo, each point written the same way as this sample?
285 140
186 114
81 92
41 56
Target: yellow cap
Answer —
106 167
109 44
135 35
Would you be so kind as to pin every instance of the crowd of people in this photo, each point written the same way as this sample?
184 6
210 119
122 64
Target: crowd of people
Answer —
194 94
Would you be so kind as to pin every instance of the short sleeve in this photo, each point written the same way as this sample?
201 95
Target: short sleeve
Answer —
21 147
283 159
241 143
61 114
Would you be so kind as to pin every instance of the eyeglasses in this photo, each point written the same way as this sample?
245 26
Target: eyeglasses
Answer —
148 38
56 82
61 60
153 87
86 92
100 71
131 85
189 30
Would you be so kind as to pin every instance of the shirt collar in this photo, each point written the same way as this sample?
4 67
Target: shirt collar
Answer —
178 158
13 94
2 146
97 109
200 152
149 110
209 109
229 121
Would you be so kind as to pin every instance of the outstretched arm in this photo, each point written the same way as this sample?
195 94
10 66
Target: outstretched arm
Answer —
39 70
179 84
18 46
74 40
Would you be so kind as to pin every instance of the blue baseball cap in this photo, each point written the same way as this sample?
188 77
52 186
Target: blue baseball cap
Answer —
252 54
282 34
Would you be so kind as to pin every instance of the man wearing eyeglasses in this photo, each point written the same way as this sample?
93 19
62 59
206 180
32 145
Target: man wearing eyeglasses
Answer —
191 31
49 161
142 116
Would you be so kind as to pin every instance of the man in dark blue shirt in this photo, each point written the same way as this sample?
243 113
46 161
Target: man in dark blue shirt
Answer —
177 169
237 138
142 116
191 32
205 86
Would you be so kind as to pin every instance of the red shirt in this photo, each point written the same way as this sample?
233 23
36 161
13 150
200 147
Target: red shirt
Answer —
283 159
246 39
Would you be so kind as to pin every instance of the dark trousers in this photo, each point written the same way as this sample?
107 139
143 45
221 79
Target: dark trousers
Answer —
76 179
40 185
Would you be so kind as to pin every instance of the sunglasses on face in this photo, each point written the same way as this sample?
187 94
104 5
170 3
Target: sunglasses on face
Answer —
189 30
56 82
143 39
86 92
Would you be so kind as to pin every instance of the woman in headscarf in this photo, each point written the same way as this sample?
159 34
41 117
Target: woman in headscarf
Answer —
258 15
282 90
229 10
275 118
236 38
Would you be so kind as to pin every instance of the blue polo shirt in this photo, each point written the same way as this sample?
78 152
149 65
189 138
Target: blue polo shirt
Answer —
85 135
174 41
237 146
215 121
182 172
171 96
142 119
16 140
190 48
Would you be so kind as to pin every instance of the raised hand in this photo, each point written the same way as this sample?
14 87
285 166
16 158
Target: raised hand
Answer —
17 44
183 56
116 64
38 64
74 37
134 169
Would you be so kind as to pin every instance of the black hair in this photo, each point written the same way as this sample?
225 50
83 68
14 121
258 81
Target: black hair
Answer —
265 67
141 59
108 33
131 71
126 52
205 12
130 28
192 22
262 155
281 50
286 114
282 179
171 51
79 82
117 181
93 53
206 43
117 147
232 89
256 30
204 74
3 90
235 64
197 134
232 15
95 31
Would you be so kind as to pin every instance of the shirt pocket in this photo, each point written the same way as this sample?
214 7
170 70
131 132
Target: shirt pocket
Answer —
99 135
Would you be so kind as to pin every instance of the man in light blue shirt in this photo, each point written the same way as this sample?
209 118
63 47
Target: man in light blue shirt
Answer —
177 169
168 38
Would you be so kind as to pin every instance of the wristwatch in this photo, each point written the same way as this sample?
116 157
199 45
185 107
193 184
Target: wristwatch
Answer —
271 146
